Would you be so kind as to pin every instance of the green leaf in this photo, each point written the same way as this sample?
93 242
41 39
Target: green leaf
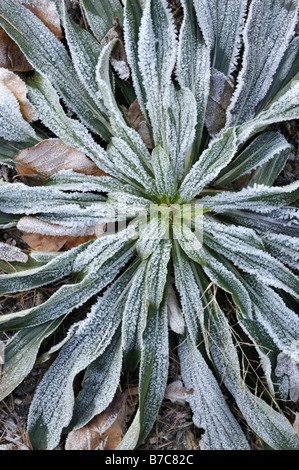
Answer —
164 174
53 403
211 162
20 354
49 57
268 30
157 272
100 15
220 22
267 147
193 69
99 385
210 410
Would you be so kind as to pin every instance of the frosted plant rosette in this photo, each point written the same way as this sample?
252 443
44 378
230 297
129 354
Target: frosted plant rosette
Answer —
176 210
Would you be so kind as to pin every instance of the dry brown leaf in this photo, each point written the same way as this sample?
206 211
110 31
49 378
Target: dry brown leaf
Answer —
176 392
72 242
49 157
221 91
118 55
136 119
44 242
296 423
103 432
11 81
11 56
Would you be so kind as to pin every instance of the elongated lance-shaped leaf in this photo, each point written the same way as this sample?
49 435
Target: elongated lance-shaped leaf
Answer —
12 124
268 173
49 57
157 272
85 52
287 70
69 296
181 119
284 108
21 352
164 174
189 241
99 385
134 318
262 150
251 259
211 162
153 366
270 425
52 406
193 69
68 180
55 269
8 220
119 125
259 198
157 56
100 15
155 230
271 312
71 131
210 410
132 21
190 295
284 220
283 247
264 47
220 22
224 275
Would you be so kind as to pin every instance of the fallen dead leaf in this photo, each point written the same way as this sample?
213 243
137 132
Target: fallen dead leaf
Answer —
221 91
11 56
296 423
44 242
118 56
11 81
177 393
50 156
137 120
72 242
175 317
103 432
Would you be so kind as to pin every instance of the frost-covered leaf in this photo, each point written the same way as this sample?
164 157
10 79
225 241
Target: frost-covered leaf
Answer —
259 198
164 173
134 318
71 131
189 241
99 385
269 425
287 70
48 417
220 22
193 67
211 162
282 247
49 57
157 272
100 15
20 354
176 392
263 149
11 81
241 247
283 109
30 224
210 410
12 123
268 30
181 119
12 253
157 55
153 367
